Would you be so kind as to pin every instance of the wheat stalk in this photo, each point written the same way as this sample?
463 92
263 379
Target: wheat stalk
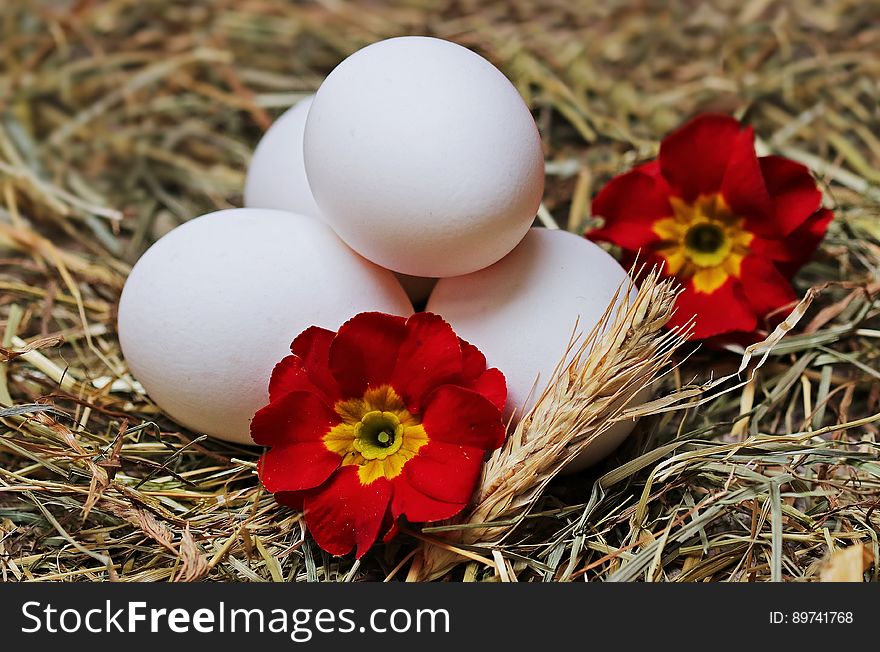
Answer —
589 392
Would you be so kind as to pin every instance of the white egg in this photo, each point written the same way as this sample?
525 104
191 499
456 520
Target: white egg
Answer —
276 176
423 157
210 309
522 312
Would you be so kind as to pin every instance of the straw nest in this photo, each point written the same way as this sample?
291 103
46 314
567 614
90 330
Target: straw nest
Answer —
120 119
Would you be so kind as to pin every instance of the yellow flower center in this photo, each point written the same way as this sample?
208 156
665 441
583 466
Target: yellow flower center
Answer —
377 433
704 241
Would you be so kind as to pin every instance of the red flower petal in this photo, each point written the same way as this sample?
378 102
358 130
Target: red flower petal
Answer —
364 351
418 507
430 355
771 249
723 311
743 185
473 362
793 190
445 472
630 204
488 382
652 169
288 376
313 346
390 526
765 287
492 385
694 158
295 417
798 247
292 499
455 415
297 466
803 241
344 514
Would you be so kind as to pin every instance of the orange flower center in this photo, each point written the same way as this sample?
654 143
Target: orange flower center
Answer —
377 433
703 241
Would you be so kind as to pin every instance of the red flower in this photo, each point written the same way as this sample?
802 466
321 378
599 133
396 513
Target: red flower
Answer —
734 228
389 417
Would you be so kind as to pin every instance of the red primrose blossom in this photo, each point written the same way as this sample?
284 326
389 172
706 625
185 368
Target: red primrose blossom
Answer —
389 418
732 227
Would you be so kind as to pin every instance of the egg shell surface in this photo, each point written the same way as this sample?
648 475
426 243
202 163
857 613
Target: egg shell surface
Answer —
522 311
423 157
212 307
276 177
